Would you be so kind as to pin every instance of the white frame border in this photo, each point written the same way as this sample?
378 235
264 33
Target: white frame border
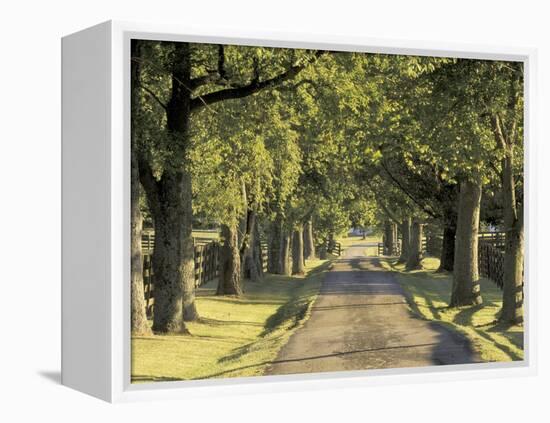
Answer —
121 389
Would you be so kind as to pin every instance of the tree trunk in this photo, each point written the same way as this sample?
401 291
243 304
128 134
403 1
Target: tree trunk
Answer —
512 292
466 290
390 240
298 267
173 258
257 255
274 250
284 254
405 240
229 282
447 257
414 260
309 245
139 324
248 264
170 201
323 252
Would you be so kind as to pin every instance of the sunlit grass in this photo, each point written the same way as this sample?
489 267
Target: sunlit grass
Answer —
235 336
348 241
429 294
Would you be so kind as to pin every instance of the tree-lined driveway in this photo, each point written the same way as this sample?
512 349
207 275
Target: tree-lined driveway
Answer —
361 320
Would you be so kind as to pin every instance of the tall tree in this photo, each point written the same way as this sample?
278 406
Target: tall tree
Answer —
466 289
198 77
507 126
139 324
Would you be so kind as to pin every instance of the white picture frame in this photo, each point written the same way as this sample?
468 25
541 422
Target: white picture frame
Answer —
96 226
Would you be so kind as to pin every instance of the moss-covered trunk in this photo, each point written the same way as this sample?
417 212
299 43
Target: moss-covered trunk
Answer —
466 290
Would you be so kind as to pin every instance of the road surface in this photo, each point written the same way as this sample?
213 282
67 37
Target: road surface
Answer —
361 320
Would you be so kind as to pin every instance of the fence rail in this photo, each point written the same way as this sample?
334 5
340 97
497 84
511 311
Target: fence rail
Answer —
334 247
264 252
490 254
491 262
496 239
207 263
383 251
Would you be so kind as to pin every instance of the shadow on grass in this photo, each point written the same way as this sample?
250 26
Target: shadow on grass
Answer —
218 322
319 357
289 315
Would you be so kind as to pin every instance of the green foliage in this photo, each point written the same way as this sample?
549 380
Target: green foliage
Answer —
352 133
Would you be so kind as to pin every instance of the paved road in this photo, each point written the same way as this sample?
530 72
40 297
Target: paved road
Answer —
361 321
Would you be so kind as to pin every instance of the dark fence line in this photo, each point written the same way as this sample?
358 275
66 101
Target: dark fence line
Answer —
207 263
491 262
264 253
383 251
207 257
496 239
206 269
490 253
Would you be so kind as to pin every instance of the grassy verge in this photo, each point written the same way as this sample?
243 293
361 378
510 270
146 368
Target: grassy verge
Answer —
235 336
429 293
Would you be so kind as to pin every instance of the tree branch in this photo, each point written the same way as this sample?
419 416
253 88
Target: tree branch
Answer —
381 203
149 183
152 94
253 87
212 77
398 184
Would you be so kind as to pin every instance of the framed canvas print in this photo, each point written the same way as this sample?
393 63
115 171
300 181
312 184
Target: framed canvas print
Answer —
249 212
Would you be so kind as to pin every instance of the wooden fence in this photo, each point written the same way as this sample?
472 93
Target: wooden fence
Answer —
491 262
264 252
334 247
207 263
206 258
496 239
382 251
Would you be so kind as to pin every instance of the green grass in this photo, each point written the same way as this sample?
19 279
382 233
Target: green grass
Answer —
428 294
235 336
348 241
